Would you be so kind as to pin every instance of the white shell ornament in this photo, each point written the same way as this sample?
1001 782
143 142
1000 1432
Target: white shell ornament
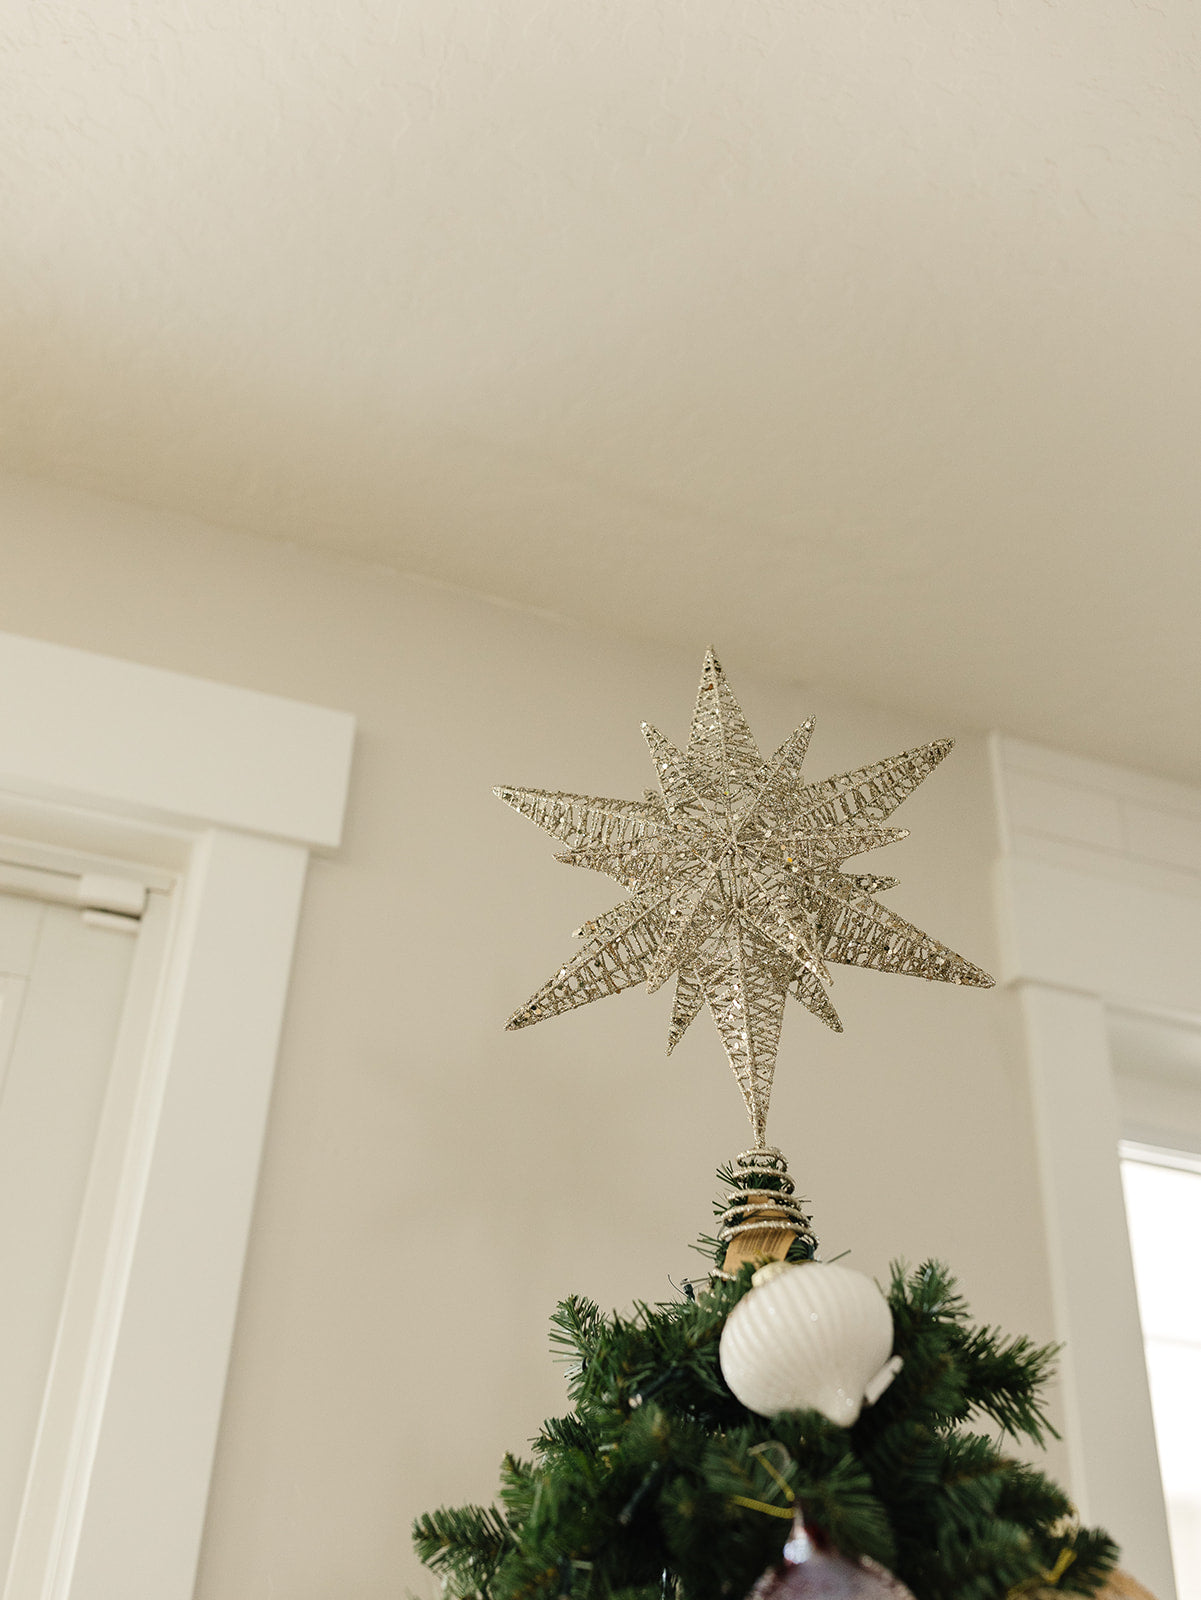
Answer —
809 1336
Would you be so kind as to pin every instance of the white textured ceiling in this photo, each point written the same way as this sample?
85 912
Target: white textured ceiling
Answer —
863 338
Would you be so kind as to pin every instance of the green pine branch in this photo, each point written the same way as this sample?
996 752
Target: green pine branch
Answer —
464 1546
660 1485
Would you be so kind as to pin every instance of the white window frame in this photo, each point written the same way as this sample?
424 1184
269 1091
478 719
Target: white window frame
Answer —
1098 897
229 790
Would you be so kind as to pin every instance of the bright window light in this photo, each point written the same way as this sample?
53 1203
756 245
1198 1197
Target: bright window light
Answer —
1163 1209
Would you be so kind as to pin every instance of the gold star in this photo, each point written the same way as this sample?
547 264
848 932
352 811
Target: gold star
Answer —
736 888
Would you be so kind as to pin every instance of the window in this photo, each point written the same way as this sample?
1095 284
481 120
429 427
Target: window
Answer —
1163 1209
1157 1077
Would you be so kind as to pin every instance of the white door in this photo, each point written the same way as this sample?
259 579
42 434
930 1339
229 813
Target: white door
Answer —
63 980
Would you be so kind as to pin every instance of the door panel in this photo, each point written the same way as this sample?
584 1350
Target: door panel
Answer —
62 988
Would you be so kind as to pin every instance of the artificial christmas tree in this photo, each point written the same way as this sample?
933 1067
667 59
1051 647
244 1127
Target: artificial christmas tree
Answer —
788 1416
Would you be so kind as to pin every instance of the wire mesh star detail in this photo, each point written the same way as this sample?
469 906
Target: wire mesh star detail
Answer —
734 873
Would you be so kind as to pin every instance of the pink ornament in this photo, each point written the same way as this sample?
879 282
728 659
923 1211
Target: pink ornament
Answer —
811 1569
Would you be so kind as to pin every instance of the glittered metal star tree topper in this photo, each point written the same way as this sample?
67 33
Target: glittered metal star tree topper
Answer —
734 869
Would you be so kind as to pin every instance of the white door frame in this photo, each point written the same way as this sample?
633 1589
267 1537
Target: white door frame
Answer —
229 790
1099 903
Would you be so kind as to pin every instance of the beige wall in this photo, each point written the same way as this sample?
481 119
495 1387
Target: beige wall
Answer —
431 1184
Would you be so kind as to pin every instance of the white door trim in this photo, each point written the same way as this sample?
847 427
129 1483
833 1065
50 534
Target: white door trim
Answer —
134 741
228 789
1099 903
